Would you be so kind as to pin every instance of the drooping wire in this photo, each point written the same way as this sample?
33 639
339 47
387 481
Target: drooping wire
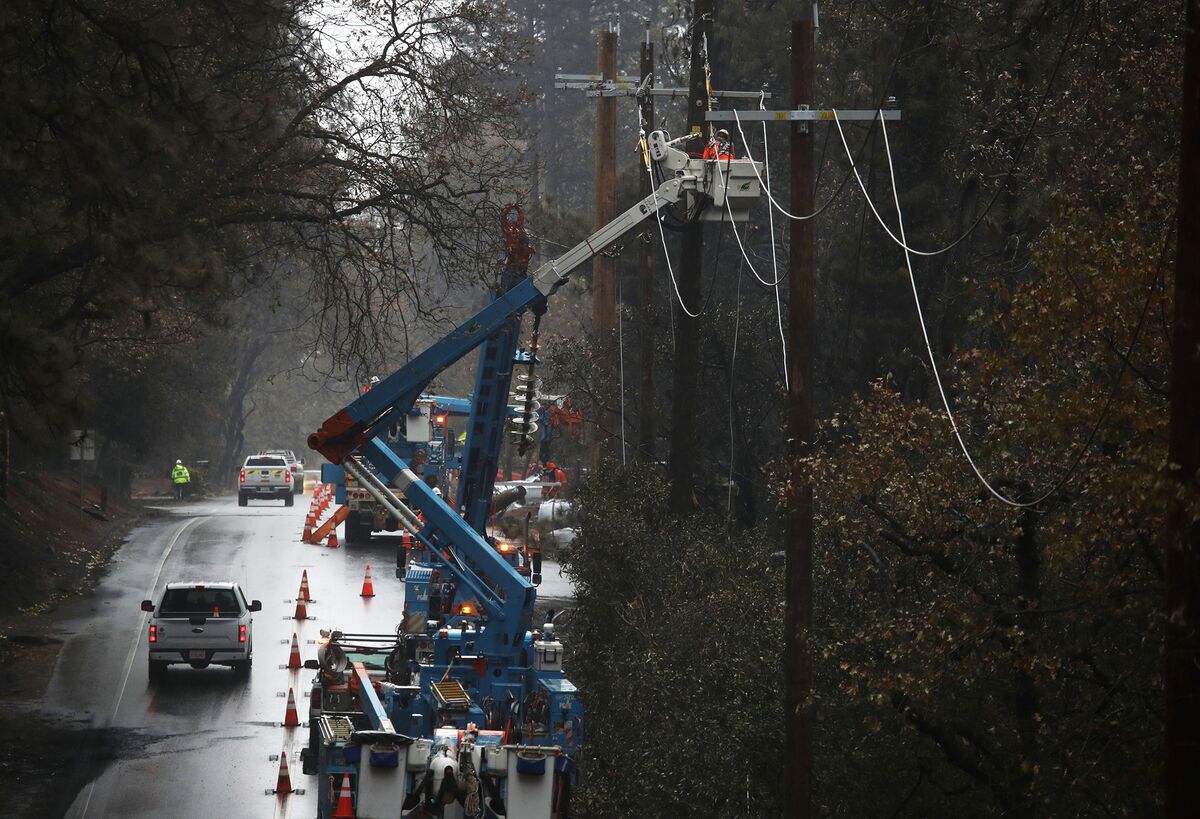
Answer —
770 198
774 259
1037 114
662 235
775 284
737 320
1003 498
741 247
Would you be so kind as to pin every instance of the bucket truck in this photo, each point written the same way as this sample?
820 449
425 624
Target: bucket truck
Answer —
463 709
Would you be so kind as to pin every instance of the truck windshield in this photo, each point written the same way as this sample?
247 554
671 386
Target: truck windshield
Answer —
265 462
199 602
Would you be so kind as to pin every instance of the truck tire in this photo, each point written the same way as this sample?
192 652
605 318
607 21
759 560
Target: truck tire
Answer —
308 764
357 533
242 669
156 670
242 499
289 499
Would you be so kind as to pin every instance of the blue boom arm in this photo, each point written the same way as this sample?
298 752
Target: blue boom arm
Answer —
358 430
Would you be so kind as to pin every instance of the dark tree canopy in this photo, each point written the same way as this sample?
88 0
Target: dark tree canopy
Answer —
159 158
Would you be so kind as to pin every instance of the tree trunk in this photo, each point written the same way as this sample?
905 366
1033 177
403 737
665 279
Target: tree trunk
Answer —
232 436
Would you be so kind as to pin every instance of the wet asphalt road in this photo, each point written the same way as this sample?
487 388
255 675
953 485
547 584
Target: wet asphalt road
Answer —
198 743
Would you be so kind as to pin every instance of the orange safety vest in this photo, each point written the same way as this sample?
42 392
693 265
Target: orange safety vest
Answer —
717 149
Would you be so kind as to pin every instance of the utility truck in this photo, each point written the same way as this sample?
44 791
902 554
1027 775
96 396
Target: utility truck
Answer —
427 435
463 708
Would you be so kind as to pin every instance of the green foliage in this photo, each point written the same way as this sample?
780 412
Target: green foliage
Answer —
676 647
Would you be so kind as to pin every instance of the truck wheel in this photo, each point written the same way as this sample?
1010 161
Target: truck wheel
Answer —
242 499
288 499
357 533
242 669
156 670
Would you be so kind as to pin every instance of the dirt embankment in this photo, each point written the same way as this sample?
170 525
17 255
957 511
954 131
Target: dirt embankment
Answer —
51 548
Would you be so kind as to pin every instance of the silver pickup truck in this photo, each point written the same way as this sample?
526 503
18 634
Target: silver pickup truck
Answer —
266 477
201 624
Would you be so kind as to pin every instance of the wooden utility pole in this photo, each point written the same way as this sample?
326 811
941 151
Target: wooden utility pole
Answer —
646 403
798 614
682 465
1182 671
5 456
604 285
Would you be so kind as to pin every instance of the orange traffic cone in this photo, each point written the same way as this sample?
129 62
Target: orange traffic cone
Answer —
290 718
307 536
332 541
283 786
301 611
294 660
304 593
368 589
345 805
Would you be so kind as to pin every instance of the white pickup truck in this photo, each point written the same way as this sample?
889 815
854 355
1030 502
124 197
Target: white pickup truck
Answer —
265 476
201 624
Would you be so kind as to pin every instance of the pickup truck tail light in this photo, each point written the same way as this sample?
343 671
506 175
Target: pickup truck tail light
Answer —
154 634
241 634
242 477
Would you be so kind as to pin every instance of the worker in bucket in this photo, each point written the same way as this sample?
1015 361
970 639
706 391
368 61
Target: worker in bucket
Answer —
720 146
180 478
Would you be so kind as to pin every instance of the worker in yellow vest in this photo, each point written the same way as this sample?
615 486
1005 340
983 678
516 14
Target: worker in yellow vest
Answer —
180 477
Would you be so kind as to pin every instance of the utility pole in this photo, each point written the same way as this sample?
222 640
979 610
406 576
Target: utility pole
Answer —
604 286
643 89
798 612
682 463
645 441
5 456
1182 620
801 427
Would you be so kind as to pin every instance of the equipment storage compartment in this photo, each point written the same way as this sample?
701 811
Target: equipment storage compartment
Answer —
381 790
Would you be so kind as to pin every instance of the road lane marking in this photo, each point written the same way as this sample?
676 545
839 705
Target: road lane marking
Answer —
137 638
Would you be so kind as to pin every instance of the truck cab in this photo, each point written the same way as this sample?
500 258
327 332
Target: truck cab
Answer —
201 623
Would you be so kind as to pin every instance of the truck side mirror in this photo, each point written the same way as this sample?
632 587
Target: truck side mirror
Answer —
255 605
147 605
313 665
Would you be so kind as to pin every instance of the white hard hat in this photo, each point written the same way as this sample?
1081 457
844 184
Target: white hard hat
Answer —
437 491
178 462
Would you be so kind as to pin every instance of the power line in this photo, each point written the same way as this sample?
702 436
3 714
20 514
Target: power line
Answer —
737 322
775 284
774 259
938 378
754 167
1037 114
667 253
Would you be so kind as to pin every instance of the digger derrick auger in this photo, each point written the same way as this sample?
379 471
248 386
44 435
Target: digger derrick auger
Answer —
470 704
